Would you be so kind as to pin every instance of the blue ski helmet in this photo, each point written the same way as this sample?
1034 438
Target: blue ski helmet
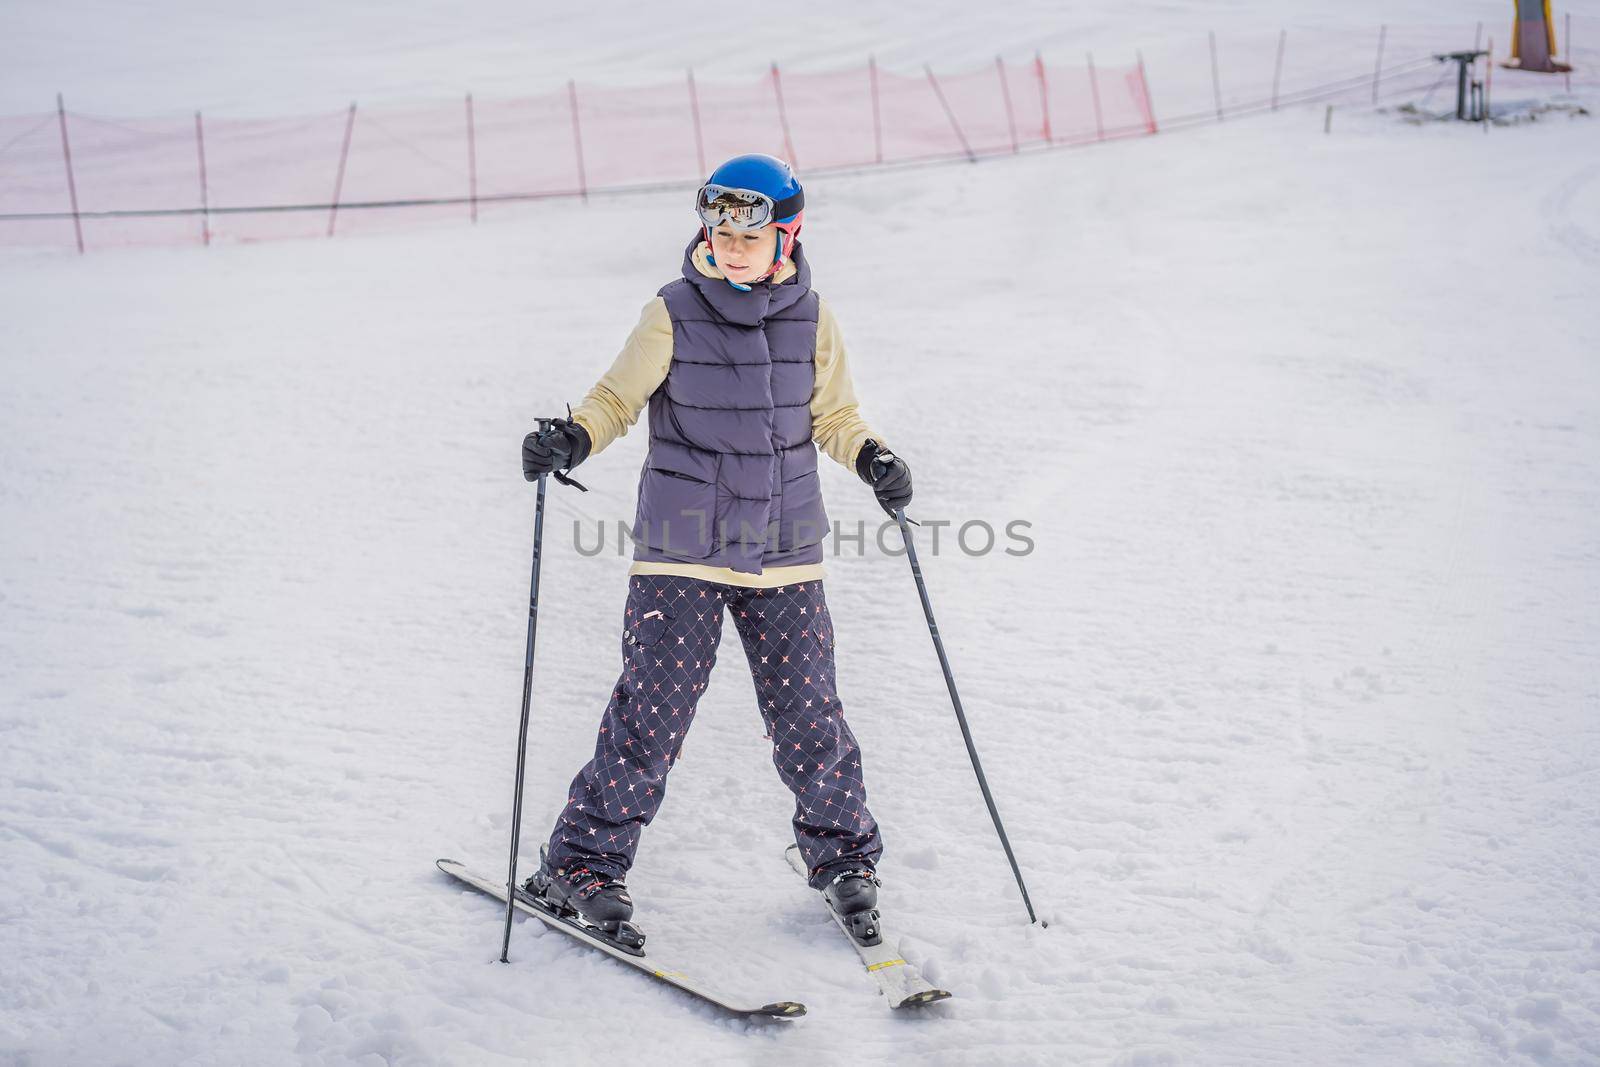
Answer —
773 181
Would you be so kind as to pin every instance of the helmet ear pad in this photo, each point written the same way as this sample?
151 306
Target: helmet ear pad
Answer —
788 232
791 233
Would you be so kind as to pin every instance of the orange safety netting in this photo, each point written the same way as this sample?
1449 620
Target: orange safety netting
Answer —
196 178
73 178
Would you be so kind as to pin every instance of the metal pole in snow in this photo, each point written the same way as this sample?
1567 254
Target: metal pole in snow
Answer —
1277 69
1044 96
205 196
1094 91
1216 77
1005 93
1149 104
694 110
72 185
577 139
344 155
1488 83
951 115
877 119
1377 70
1566 52
472 161
783 118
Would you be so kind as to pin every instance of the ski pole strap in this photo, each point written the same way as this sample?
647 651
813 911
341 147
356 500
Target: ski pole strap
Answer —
566 478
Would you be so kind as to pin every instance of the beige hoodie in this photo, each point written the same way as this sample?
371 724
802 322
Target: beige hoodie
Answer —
613 405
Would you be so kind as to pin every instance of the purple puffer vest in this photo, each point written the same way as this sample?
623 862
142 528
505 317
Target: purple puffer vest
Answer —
731 476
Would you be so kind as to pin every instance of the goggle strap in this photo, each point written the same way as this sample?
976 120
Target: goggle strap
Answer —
789 206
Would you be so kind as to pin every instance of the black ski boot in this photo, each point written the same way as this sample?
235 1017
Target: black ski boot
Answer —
588 898
853 896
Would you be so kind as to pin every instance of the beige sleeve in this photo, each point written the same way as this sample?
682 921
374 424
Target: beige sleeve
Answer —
836 422
614 403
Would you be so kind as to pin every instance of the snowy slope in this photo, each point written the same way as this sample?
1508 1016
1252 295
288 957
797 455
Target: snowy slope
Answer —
302 55
1291 713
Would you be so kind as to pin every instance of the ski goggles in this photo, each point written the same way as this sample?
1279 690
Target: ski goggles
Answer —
743 209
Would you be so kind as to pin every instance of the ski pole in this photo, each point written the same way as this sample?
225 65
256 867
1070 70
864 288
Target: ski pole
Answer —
961 716
527 693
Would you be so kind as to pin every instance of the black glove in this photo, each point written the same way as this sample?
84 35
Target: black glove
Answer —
887 473
560 448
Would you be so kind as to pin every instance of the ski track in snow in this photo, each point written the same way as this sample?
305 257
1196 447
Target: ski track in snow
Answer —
1291 713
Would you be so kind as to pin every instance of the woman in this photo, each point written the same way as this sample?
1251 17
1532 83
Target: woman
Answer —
741 364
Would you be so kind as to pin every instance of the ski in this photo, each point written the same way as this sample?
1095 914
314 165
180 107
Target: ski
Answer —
783 1009
897 980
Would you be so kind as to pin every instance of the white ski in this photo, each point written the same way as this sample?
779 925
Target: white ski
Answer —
897 980
783 1009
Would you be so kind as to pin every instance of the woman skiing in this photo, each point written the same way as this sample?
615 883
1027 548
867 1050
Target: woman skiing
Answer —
742 366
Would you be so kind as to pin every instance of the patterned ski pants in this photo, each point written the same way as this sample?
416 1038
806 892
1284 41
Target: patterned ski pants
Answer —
672 626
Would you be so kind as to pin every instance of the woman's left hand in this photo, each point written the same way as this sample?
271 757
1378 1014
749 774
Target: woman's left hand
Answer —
888 475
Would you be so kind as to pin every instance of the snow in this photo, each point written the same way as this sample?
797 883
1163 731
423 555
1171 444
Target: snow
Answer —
301 55
1291 712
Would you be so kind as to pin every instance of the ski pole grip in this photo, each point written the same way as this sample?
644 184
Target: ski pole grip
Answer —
546 423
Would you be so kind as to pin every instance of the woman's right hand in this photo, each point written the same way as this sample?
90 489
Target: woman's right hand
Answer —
560 448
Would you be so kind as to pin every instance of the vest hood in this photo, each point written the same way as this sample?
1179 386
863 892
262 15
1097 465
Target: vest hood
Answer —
738 306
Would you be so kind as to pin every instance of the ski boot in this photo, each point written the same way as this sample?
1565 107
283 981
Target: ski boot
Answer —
588 899
853 897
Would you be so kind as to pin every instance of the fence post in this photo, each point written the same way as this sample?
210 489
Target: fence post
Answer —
877 119
205 195
1377 70
344 155
1277 69
1094 92
1488 83
472 160
694 110
577 140
1149 104
783 118
1044 96
1005 93
72 185
951 115
1216 77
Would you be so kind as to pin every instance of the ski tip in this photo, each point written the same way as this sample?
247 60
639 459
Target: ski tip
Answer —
445 864
784 1009
926 996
